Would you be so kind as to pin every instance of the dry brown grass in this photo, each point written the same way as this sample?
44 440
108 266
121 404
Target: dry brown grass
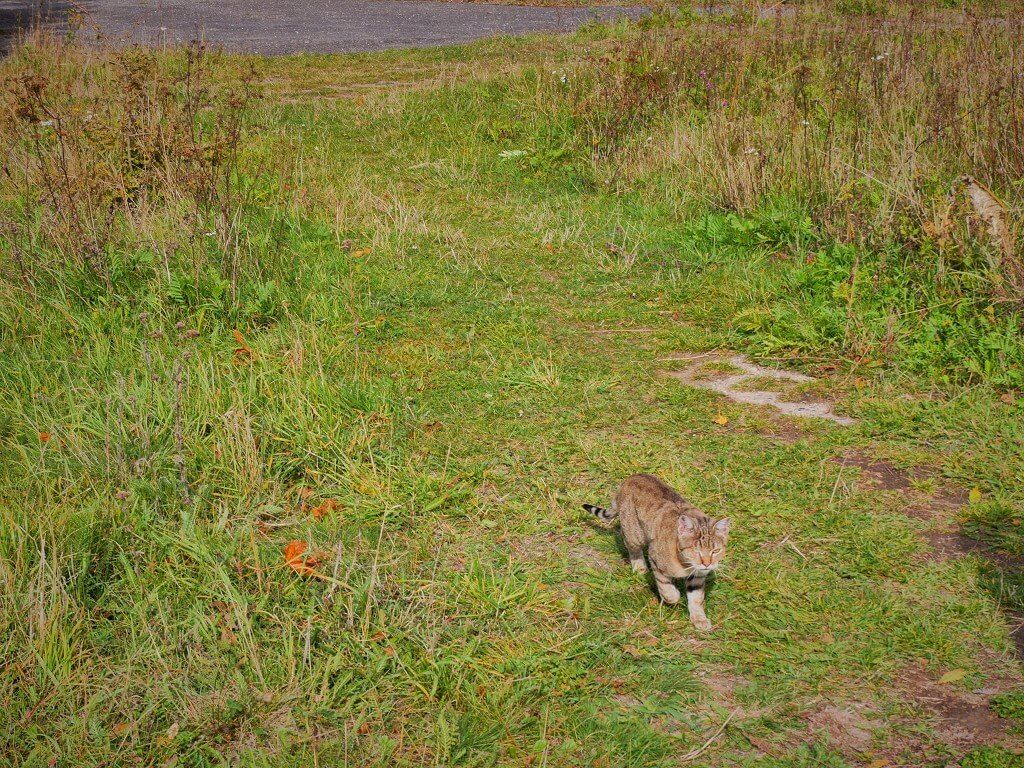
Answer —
878 125
117 155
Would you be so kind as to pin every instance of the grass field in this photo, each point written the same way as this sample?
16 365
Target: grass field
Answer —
411 310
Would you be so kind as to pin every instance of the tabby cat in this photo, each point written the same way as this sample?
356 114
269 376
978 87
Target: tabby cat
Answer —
681 541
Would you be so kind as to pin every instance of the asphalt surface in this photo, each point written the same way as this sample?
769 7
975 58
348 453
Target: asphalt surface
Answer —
293 26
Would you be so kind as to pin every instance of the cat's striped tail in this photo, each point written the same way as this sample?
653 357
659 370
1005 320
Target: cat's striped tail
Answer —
602 513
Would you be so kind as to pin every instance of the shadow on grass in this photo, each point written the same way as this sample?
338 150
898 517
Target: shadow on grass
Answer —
996 535
613 532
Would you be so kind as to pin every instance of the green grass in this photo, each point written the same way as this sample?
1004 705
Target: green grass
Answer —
451 389
992 757
1010 705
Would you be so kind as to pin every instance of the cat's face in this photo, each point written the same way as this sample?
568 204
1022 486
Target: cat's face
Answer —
702 542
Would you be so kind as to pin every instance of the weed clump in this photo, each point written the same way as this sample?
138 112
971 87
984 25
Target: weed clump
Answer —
124 175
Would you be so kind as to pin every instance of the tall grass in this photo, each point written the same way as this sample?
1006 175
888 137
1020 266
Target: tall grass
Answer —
890 148
126 172
872 122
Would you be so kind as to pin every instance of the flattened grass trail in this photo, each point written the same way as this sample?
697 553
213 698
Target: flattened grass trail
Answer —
460 361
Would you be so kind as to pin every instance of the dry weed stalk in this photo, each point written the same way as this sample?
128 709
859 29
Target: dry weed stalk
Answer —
107 153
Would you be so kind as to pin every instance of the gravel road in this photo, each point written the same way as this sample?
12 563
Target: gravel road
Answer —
316 26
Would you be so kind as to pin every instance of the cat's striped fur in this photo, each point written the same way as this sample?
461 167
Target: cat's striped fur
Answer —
681 541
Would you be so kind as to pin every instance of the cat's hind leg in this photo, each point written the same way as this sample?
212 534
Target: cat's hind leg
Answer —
633 537
636 559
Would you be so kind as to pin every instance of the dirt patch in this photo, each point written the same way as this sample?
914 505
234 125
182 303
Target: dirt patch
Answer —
945 538
626 701
721 687
961 719
949 543
943 720
939 511
879 474
939 507
490 496
704 372
782 431
571 546
847 727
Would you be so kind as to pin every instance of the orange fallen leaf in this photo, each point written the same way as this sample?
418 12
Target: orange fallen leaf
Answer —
721 419
320 511
294 550
44 437
295 558
358 254
243 350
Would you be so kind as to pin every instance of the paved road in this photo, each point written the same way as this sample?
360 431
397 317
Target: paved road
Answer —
318 26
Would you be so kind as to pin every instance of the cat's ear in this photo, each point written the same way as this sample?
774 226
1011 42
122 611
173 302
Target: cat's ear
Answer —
721 528
687 529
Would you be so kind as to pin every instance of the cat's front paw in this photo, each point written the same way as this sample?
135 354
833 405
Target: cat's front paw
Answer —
668 594
701 623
